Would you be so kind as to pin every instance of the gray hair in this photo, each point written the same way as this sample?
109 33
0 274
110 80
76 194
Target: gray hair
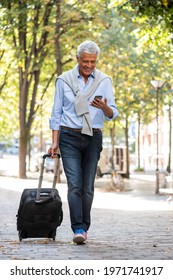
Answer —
89 47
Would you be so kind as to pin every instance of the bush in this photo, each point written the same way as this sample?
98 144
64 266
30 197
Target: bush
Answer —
139 169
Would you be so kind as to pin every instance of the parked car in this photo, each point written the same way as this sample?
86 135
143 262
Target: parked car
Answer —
2 149
1 154
37 161
105 163
13 150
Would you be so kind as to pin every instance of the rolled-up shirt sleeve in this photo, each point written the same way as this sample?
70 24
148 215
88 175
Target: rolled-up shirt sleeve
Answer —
55 119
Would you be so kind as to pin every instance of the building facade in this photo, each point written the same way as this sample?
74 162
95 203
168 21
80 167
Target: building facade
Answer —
148 144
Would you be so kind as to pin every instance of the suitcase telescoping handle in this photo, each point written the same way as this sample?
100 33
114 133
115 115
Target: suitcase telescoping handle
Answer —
38 200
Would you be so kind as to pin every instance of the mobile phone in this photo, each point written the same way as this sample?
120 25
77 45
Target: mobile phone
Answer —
98 97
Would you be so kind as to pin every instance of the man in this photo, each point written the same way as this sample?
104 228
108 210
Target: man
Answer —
83 99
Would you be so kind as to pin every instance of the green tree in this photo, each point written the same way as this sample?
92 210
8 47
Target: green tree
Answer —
120 62
136 58
153 12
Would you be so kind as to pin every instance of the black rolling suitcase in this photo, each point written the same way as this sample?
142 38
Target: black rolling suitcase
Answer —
40 209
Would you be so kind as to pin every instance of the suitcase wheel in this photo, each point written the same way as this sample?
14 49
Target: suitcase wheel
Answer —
61 217
52 235
20 235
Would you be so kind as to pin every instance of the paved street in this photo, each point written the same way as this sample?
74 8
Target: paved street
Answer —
133 224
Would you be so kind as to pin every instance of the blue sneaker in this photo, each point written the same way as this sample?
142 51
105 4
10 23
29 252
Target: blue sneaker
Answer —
80 236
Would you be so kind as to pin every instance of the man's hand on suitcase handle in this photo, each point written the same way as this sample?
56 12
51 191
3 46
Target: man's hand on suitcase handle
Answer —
52 151
55 155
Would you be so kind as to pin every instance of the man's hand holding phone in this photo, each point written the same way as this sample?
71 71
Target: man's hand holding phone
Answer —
98 97
98 102
101 104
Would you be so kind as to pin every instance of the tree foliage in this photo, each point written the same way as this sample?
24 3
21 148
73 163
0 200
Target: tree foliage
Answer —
153 12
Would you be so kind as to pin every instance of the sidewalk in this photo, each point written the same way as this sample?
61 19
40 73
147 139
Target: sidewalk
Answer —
134 224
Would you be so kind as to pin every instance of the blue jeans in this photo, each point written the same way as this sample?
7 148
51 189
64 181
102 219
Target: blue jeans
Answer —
80 154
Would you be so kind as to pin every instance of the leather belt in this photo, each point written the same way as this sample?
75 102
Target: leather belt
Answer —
78 129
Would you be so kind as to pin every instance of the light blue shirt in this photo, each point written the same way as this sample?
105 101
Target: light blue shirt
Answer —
63 111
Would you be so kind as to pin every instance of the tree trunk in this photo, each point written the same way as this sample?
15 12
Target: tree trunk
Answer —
23 93
112 134
127 175
57 37
168 169
139 156
22 154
